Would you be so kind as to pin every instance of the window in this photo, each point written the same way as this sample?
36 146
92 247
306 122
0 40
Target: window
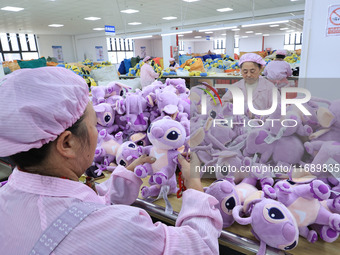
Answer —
18 46
293 41
181 46
119 49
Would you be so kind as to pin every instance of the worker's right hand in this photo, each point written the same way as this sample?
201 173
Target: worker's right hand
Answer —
191 178
140 161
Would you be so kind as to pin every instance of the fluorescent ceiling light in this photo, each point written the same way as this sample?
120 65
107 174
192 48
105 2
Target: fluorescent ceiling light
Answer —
56 25
190 1
294 0
266 35
223 34
12 9
198 36
236 29
134 23
177 33
92 18
140 37
258 33
266 23
290 30
245 36
99 28
249 32
284 28
224 9
169 18
181 35
209 32
215 29
274 25
129 11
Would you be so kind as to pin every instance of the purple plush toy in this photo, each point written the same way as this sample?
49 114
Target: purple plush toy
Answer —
141 139
108 94
105 117
127 153
272 223
230 195
303 201
166 136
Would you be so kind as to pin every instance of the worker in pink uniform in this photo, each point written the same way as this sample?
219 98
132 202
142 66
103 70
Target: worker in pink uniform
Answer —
278 70
173 65
48 128
147 73
251 66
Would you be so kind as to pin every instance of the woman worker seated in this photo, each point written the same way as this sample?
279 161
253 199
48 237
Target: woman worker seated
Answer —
173 65
251 66
48 127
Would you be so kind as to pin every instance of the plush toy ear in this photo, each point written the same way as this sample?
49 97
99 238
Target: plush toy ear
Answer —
325 117
99 108
225 154
238 219
196 138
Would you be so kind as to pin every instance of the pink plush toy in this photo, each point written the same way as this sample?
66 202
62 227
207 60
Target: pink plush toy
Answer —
230 195
109 93
287 150
179 84
272 223
303 201
166 136
105 117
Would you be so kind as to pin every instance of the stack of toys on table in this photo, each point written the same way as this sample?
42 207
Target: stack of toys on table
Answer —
269 193
135 71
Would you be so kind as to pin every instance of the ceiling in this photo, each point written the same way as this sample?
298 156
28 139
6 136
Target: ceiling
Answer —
38 14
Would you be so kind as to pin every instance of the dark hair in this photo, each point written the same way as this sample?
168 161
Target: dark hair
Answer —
34 156
259 65
280 56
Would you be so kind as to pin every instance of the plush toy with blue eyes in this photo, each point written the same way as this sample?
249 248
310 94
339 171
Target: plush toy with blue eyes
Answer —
127 153
166 136
105 117
271 221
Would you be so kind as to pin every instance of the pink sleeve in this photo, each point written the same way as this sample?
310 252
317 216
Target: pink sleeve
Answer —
121 188
289 71
151 72
265 71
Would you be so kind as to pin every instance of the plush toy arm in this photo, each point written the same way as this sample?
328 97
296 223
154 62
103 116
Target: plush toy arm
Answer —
316 189
266 156
215 142
236 214
310 235
304 130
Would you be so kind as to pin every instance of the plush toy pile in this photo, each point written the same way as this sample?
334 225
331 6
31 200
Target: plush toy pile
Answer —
153 121
271 157
135 71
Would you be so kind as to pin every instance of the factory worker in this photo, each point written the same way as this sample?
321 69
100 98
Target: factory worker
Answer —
278 70
147 73
48 128
251 66
173 65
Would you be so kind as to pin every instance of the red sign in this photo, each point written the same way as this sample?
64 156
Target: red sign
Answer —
333 20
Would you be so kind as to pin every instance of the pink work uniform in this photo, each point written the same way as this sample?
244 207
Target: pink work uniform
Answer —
29 203
262 95
147 75
277 72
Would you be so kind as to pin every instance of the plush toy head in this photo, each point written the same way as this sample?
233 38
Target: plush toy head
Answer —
166 134
225 193
167 102
271 221
127 153
140 139
105 114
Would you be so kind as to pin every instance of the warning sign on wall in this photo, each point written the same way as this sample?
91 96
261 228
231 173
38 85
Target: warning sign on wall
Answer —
333 20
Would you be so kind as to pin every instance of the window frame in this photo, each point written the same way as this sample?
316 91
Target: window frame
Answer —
124 46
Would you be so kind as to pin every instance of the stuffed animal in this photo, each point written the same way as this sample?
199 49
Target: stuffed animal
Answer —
166 136
141 139
272 223
108 94
287 150
127 153
326 157
105 117
303 201
230 195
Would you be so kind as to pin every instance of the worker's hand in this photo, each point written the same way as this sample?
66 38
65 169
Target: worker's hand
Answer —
191 178
140 161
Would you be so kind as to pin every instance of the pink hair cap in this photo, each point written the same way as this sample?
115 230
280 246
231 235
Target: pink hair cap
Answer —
37 105
146 58
252 57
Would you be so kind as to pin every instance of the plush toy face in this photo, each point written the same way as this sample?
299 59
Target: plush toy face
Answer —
166 134
226 194
167 102
273 224
105 114
127 153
